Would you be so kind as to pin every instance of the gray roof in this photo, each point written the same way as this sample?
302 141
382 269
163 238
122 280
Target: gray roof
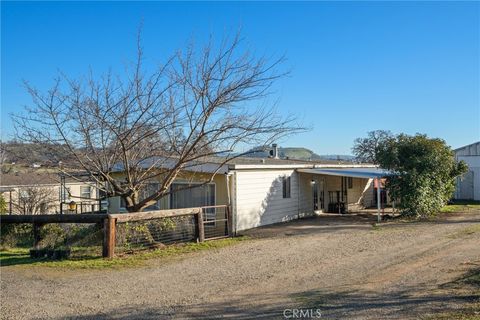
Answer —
472 149
367 173
211 164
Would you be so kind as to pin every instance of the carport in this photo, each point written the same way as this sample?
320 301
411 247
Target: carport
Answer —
360 172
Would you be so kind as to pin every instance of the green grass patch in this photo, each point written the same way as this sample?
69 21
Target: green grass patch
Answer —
461 206
89 260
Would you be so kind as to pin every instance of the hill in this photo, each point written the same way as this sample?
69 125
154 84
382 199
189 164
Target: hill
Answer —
298 153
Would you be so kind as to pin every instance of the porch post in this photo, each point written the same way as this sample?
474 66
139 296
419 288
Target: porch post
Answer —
378 200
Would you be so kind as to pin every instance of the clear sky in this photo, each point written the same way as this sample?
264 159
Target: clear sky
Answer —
355 66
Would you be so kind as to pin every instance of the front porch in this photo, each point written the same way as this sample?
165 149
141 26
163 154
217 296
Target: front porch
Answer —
341 191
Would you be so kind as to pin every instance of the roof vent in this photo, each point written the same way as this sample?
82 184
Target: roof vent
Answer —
274 151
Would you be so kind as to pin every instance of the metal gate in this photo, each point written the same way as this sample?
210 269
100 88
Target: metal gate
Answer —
217 222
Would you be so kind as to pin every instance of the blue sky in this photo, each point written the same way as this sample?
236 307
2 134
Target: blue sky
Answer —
355 66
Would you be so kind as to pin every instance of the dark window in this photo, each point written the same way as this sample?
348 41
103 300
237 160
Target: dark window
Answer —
286 181
350 182
198 196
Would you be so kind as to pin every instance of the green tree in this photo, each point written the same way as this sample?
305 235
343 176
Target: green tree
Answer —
425 171
366 149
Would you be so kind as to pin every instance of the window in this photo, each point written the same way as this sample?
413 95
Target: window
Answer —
350 182
85 192
195 197
43 207
148 190
286 181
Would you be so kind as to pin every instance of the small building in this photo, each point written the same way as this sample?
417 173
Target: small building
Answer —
46 193
468 185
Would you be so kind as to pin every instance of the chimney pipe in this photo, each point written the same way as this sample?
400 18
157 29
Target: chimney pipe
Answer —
275 151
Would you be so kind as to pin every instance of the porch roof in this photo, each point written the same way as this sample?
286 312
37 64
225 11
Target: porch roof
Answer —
367 173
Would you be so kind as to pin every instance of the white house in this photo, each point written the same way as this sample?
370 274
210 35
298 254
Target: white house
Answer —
267 191
468 186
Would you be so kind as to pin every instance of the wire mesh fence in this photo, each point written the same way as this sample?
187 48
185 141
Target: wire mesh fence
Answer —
91 235
162 231
154 233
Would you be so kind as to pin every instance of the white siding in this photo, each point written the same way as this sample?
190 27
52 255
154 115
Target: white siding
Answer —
469 181
259 198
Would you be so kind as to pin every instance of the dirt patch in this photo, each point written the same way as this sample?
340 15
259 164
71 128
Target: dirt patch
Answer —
340 265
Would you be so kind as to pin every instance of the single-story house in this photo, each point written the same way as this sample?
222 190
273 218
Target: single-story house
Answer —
468 185
43 192
266 191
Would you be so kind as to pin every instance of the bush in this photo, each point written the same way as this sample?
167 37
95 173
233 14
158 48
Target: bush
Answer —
425 170
16 235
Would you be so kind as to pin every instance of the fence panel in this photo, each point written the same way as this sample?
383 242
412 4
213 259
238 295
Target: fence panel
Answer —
216 222
154 233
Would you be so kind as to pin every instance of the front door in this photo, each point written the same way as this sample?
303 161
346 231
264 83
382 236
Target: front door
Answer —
318 194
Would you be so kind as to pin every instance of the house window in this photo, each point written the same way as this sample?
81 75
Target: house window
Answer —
86 192
193 197
286 187
147 191
200 196
350 182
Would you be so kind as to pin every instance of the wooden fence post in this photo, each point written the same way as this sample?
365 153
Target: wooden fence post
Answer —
109 237
36 235
200 226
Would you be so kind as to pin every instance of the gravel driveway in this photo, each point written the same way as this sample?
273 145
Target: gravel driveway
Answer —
340 265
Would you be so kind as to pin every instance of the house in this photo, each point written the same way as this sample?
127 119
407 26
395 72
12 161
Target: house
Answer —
267 191
42 192
468 186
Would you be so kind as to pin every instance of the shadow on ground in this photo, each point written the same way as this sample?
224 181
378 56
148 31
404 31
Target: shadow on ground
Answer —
333 304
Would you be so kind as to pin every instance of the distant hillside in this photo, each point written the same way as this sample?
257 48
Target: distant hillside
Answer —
298 153
28 154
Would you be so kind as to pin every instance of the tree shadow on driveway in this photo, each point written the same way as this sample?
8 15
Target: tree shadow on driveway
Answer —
408 303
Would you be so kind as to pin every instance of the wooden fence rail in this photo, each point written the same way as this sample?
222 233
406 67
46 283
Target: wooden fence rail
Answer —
109 222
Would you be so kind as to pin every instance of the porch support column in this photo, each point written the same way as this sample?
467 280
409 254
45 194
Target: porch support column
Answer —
378 200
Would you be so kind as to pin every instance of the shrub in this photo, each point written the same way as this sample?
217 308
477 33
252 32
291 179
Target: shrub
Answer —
425 171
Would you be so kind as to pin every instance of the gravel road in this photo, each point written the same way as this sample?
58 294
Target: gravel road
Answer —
341 266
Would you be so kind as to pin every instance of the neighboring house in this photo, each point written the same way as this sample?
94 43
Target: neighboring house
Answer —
267 191
36 193
468 185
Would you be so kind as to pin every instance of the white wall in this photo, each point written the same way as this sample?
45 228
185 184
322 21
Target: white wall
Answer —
473 163
259 198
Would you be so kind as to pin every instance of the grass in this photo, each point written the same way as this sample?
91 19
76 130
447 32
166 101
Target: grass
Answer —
20 256
461 206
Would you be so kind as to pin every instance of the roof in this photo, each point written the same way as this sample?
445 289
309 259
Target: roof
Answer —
32 178
472 149
211 164
350 172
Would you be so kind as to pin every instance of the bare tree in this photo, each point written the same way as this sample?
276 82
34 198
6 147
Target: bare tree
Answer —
3 158
153 125
366 149
35 199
